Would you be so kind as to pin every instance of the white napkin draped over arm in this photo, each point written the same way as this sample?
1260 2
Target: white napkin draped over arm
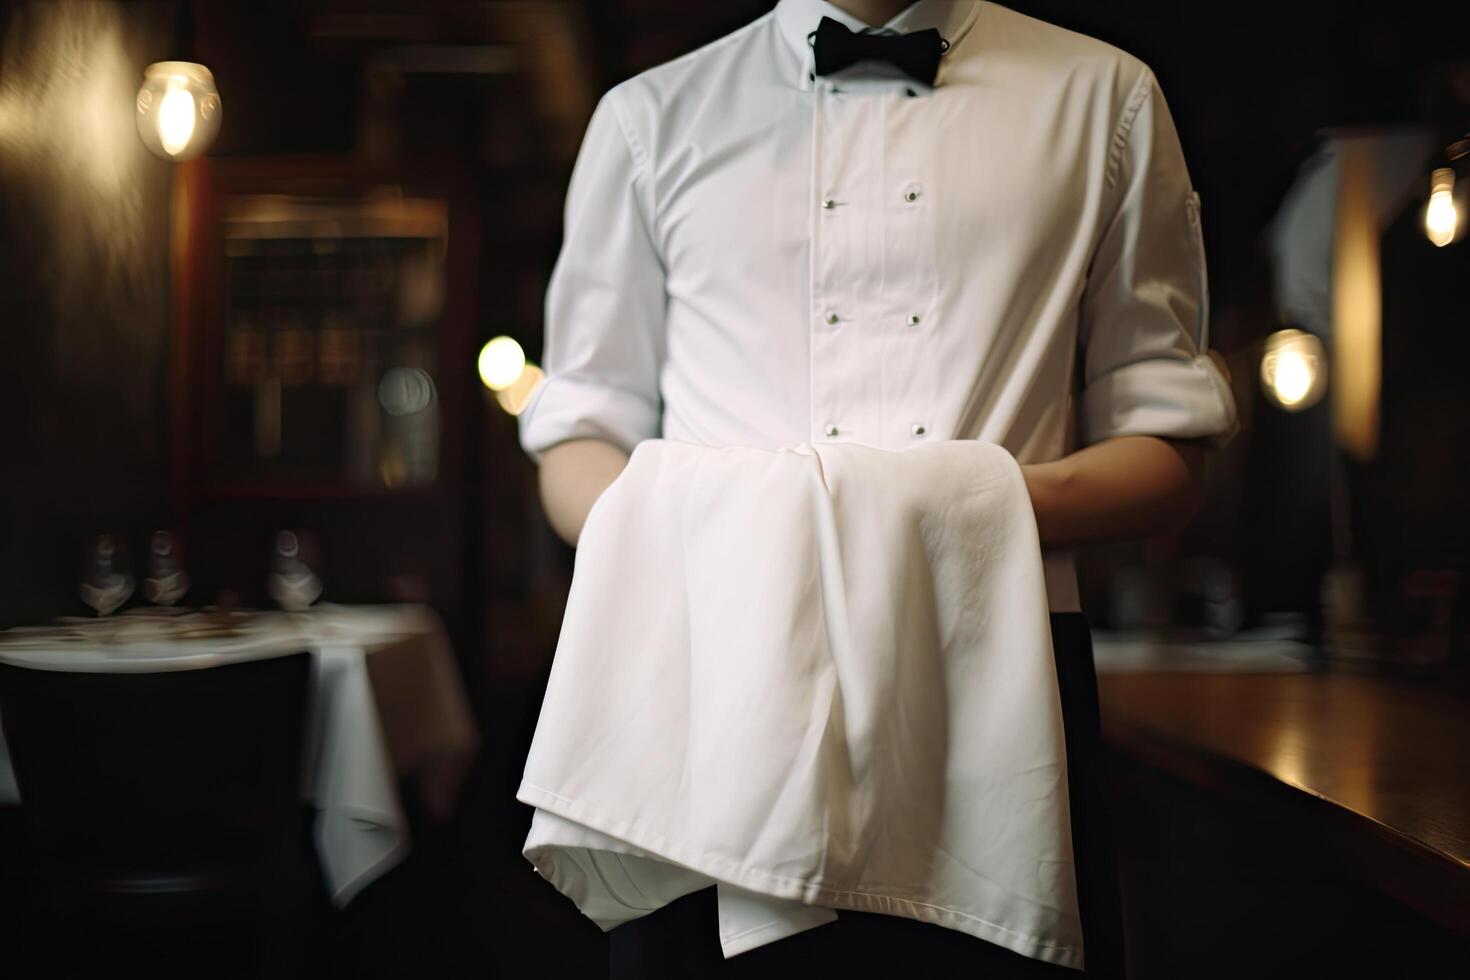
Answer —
819 678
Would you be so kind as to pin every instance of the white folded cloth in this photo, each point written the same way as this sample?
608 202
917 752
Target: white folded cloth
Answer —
818 678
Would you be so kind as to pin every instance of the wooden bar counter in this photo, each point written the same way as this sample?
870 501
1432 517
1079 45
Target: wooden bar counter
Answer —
1290 822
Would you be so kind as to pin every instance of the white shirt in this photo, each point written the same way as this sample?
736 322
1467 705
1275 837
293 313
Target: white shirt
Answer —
819 678
757 257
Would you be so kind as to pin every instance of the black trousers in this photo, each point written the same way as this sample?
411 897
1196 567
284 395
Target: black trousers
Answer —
682 938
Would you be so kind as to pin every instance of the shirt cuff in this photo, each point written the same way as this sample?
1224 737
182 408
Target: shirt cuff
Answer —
566 408
1177 399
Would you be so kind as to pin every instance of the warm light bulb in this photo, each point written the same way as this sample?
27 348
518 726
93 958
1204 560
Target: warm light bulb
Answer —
1441 218
178 109
1293 377
1294 369
176 120
501 363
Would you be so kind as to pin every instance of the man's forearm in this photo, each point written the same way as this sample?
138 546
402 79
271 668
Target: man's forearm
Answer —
573 475
1129 487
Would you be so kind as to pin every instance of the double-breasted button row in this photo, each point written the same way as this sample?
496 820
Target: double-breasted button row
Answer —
833 318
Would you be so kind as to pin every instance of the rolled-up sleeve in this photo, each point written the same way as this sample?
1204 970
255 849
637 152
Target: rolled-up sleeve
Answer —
605 303
1145 308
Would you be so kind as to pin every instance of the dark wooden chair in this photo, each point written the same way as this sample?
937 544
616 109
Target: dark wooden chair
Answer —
164 819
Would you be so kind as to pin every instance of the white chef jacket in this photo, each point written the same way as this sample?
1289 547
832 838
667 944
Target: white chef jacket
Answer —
818 678
755 256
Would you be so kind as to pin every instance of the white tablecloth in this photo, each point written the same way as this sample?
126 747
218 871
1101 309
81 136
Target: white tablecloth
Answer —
361 831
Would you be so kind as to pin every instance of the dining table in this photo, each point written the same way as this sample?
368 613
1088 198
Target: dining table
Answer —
387 701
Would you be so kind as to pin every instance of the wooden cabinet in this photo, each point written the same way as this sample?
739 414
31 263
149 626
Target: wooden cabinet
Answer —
322 361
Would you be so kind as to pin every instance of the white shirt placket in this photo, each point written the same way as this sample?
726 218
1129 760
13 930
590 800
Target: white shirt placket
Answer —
912 372
873 278
846 264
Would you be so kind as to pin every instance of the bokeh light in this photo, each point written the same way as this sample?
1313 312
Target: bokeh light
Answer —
501 363
405 391
1294 369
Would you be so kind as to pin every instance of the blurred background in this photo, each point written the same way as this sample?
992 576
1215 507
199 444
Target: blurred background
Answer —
290 325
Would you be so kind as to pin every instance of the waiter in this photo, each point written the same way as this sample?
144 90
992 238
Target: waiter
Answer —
962 224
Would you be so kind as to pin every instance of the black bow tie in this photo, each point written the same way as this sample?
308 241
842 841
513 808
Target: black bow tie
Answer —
915 54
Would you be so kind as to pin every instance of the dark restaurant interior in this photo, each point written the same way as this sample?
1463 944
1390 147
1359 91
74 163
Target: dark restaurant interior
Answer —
272 378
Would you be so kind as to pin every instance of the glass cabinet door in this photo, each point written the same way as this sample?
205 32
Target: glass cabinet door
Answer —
329 347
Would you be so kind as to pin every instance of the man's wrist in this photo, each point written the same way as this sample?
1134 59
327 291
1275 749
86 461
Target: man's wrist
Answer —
1046 484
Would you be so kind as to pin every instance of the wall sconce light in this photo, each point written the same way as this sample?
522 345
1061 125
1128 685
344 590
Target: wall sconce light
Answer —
1294 369
178 107
1441 217
1444 215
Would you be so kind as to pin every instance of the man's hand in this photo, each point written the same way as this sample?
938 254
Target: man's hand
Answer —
573 475
1129 487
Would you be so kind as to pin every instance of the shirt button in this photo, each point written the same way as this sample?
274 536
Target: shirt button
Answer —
830 431
913 319
918 429
911 193
832 317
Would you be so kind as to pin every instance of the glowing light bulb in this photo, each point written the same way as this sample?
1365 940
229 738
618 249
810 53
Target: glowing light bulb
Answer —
176 120
178 109
1294 369
1293 377
1441 218
501 363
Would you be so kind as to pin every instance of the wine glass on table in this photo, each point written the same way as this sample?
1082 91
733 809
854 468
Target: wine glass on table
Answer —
106 585
166 582
291 582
